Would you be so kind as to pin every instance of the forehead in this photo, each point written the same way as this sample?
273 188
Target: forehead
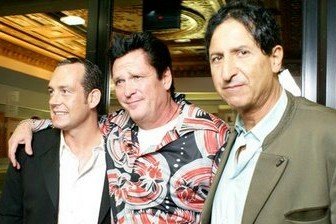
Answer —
136 61
231 32
67 74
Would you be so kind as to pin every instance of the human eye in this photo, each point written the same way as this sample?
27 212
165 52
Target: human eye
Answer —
215 59
137 77
50 91
65 91
242 52
118 82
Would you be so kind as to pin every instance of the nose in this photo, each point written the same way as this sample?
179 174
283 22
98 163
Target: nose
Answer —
229 68
129 88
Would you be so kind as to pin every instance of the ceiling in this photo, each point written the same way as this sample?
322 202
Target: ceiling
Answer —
33 39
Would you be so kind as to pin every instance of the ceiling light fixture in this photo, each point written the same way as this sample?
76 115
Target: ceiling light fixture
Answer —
72 20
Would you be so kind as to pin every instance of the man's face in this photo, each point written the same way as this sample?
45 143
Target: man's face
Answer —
68 104
243 76
138 89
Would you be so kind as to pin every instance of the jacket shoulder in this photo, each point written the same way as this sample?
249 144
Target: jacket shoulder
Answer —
315 111
45 140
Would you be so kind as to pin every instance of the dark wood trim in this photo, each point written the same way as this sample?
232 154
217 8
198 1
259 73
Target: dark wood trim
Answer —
322 52
98 39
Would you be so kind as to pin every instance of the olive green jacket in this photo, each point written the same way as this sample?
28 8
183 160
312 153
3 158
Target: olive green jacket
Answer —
294 180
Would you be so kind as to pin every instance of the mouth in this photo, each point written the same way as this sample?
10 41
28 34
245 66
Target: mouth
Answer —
59 112
233 86
132 103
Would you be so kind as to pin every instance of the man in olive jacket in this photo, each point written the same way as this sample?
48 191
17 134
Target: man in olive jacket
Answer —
279 162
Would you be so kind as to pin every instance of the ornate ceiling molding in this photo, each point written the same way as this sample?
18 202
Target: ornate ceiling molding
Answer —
43 36
39 31
26 56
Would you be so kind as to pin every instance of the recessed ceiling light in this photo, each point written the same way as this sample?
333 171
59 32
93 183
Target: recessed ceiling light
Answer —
72 20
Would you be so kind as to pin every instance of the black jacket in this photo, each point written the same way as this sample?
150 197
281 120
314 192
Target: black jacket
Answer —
30 195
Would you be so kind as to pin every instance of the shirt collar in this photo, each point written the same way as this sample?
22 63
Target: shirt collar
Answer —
63 145
187 120
268 122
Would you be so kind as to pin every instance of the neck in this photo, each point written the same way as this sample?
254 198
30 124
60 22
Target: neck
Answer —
82 139
168 112
254 114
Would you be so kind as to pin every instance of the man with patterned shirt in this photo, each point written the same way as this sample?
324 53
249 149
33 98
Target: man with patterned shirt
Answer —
161 148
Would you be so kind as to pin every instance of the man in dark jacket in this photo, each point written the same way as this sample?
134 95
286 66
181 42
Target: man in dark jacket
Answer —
65 180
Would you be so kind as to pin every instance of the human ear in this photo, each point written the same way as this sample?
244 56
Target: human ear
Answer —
167 78
276 58
94 98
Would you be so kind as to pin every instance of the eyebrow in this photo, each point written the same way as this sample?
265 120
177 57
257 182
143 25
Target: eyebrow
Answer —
233 49
58 87
216 53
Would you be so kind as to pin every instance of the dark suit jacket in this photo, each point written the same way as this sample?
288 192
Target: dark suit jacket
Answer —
30 195
294 180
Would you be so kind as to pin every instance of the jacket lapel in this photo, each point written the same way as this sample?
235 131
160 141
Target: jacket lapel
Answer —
269 167
105 203
207 209
268 171
50 168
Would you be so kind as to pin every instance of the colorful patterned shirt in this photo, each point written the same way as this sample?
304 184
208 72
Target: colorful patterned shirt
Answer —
170 181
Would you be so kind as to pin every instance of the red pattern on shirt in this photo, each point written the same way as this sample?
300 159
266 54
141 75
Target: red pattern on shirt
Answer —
168 184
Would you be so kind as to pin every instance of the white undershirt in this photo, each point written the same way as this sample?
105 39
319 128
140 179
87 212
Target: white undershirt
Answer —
80 191
152 137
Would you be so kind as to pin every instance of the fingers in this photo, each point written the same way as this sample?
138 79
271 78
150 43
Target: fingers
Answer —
28 147
21 135
11 153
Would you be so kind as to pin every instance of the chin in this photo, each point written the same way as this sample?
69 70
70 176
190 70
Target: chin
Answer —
134 112
235 105
58 124
136 117
237 101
